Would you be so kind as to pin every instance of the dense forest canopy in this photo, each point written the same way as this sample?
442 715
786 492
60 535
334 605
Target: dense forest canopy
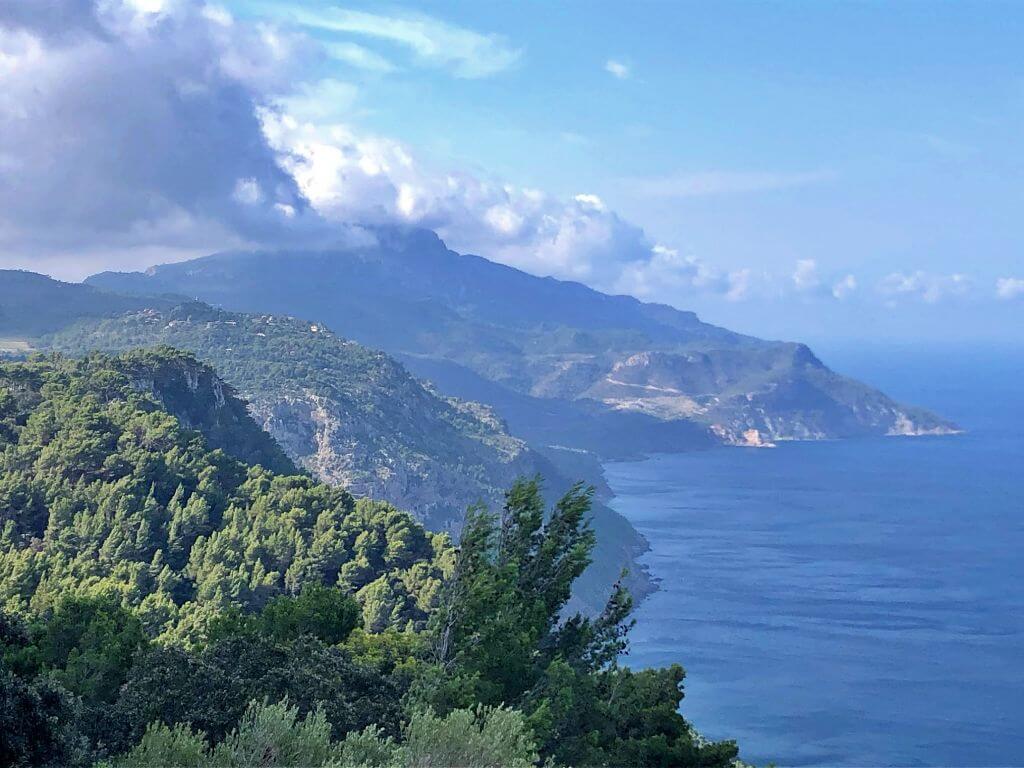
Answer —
102 488
165 603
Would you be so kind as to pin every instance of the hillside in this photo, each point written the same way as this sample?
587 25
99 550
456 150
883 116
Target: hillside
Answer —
352 416
535 346
357 419
102 484
32 305
163 603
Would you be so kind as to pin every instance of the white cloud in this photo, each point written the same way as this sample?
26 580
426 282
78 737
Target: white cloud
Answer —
924 286
224 146
1008 288
218 15
666 273
617 69
593 202
712 183
808 281
324 100
359 57
805 276
740 284
844 287
464 52
349 176
183 168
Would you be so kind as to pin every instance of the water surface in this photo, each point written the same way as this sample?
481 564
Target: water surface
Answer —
848 603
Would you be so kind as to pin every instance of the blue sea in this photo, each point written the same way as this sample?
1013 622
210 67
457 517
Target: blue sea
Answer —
858 602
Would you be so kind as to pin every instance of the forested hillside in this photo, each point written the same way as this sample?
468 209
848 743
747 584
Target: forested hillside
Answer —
101 486
167 604
356 418
352 416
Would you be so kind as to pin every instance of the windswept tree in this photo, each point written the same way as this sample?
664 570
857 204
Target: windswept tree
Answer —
502 639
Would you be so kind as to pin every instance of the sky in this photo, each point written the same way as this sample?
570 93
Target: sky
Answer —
815 171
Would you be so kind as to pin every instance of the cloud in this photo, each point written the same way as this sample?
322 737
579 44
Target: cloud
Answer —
667 273
805 276
617 69
359 57
463 52
808 281
326 99
226 145
844 287
923 286
1008 288
347 175
714 183
183 166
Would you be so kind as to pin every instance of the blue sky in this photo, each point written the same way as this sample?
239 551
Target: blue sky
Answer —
795 169
870 137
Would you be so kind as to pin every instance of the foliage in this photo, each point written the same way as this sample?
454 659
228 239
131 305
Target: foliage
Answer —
38 723
501 639
164 593
210 687
103 490
485 737
276 735
357 418
321 612
86 643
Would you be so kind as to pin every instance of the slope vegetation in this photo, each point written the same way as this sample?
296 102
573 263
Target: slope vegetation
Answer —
355 418
103 486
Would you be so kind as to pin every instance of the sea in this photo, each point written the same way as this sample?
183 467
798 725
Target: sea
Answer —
854 602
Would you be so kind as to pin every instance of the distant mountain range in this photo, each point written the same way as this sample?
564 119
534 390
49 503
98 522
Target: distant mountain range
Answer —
530 375
564 364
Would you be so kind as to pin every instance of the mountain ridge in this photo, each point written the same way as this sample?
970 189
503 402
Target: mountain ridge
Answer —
602 356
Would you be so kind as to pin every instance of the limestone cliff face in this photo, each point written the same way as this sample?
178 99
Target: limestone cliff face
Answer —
328 438
192 392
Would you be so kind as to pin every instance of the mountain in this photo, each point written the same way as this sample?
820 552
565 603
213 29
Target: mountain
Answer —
350 415
355 418
110 480
549 355
32 305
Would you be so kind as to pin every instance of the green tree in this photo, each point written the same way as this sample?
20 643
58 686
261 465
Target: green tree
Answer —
38 724
86 643
279 735
501 638
327 614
